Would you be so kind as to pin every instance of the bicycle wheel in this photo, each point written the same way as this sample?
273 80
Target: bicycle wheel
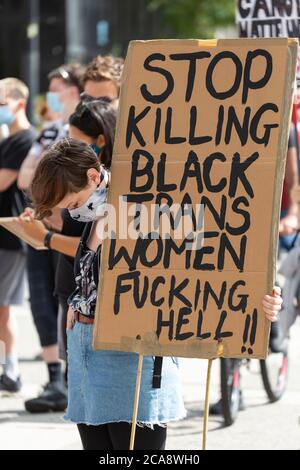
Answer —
274 372
230 389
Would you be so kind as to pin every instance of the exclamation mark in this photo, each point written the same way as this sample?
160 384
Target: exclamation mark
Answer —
246 332
253 330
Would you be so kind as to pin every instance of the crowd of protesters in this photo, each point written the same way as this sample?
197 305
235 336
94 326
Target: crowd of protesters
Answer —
53 180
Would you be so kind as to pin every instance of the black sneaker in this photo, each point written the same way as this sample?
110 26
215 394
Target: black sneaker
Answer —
242 405
9 385
52 398
216 408
279 345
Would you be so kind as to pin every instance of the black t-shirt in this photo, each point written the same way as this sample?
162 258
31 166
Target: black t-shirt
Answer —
13 150
65 280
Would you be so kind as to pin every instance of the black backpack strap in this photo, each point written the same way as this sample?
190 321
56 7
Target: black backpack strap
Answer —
156 381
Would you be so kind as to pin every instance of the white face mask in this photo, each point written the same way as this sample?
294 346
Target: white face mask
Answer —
92 209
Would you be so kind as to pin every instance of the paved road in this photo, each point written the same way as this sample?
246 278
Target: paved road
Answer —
260 426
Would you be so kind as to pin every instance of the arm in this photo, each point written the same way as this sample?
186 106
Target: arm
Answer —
65 244
70 319
7 178
295 194
27 171
36 229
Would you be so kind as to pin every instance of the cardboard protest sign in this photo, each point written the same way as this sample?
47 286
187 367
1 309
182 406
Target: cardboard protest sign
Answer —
12 225
201 124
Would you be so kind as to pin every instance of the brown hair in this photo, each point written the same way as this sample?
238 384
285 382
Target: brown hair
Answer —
62 170
71 74
104 68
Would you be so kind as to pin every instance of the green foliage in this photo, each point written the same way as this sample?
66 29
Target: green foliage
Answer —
194 18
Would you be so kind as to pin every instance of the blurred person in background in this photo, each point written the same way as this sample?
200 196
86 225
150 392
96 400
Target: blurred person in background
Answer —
47 116
103 77
287 232
13 150
289 209
92 122
84 125
65 86
4 132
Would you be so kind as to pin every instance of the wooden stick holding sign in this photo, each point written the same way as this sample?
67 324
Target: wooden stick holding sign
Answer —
206 406
220 351
136 401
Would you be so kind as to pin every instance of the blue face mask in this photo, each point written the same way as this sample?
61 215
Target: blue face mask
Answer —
6 115
96 149
54 103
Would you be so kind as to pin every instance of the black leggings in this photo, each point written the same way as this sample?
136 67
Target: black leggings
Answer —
116 436
44 306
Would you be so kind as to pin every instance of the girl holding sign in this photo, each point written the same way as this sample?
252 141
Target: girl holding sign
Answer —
102 383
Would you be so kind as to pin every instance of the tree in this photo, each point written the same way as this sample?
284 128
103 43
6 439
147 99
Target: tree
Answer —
194 18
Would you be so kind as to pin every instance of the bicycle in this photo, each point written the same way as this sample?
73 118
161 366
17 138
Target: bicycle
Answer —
274 374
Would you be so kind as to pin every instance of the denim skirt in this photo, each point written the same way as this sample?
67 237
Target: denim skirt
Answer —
101 385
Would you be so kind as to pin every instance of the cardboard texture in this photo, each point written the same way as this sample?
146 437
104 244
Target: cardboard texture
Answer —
12 225
200 122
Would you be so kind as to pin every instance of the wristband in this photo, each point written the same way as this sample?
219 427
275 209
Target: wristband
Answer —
47 239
